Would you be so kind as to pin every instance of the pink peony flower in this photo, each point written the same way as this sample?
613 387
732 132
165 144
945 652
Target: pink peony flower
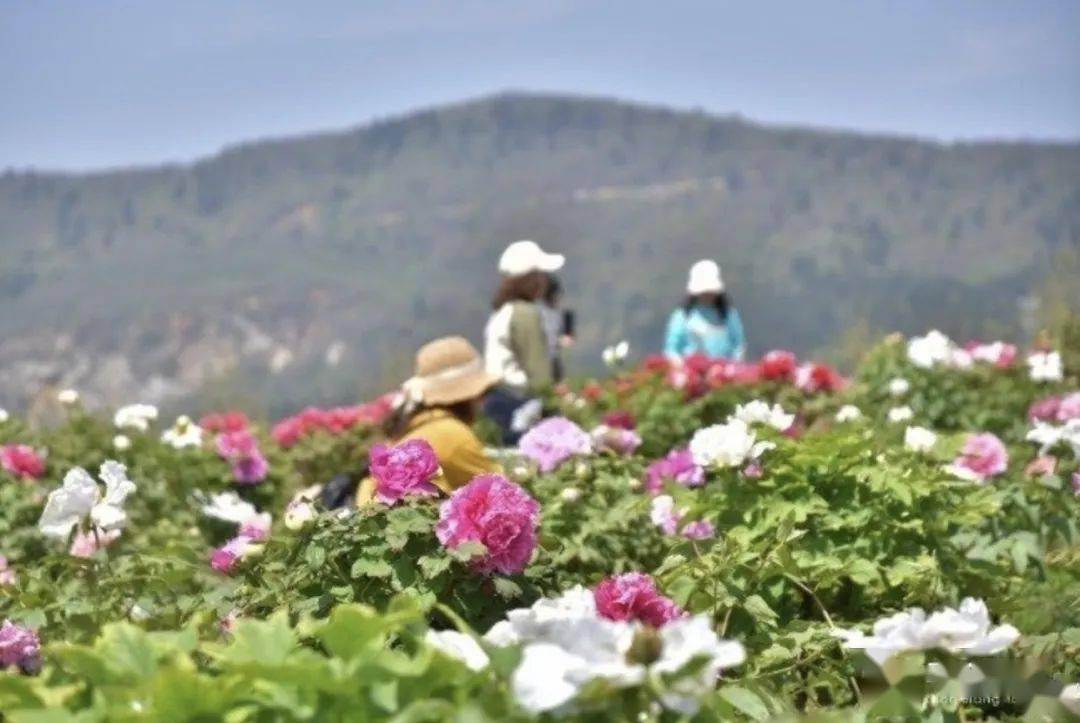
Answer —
241 449
1040 466
553 441
1069 407
335 420
494 511
998 353
699 530
633 596
19 646
1076 483
1044 410
21 461
7 575
982 456
677 466
85 544
616 439
778 364
404 469
753 471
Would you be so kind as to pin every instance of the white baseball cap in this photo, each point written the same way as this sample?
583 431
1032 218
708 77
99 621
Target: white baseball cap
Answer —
705 278
523 257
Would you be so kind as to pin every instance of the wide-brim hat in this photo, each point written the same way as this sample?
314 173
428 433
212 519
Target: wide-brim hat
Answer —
705 278
448 370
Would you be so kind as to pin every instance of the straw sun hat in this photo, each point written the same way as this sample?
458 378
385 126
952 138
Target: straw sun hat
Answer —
448 370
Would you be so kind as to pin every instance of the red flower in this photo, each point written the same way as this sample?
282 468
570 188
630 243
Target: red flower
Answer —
22 461
778 364
620 418
224 422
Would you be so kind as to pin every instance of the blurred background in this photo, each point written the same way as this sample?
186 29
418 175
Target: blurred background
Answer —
272 204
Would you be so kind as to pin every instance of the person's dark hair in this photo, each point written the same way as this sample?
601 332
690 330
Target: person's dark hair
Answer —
722 304
553 291
527 287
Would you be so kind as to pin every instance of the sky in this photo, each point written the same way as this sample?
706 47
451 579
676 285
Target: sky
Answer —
92 84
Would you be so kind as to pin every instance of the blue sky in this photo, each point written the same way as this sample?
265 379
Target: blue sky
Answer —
105 83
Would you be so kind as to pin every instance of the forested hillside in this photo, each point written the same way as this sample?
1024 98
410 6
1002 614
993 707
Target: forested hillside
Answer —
315 265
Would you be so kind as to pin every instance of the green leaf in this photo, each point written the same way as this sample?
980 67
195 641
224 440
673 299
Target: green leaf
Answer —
745 701
365 567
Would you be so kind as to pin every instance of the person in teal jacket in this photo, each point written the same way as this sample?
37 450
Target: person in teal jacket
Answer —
706 323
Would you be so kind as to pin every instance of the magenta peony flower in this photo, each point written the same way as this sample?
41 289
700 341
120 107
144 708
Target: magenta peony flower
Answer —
21 461
1044 410
404 469
553 441
677 466
19 646
982 456
240 448
1069 407
494 511
620 418
633 596
224 558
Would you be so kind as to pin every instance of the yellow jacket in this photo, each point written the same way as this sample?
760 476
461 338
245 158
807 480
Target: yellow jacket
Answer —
460 452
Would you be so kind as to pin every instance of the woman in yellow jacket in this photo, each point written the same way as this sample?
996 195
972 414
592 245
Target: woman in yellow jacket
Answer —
441 403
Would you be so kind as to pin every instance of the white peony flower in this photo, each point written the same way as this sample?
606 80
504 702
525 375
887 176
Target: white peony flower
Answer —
759 412
184 433
229 507
900 414
898 387
616 354
566 644
1048 436
965 631
926 351
919 439
135 416
570 494
4 416
726 445
1045 366
459 646
301 510
121 442
80 497
67 396
848 413
1070 698
683 641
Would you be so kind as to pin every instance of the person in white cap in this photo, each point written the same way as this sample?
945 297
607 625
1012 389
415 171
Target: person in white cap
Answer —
516 347
706 323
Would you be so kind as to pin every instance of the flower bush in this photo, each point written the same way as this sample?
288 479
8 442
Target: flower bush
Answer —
729 541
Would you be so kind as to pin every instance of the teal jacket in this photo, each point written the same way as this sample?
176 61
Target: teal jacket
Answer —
702 330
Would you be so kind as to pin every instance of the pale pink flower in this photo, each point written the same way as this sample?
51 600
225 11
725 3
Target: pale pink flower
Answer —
225 558
19 646
497 513
256 528
553 441
982 456
7 575
404 469
618 440
1069 408
85 544
633 596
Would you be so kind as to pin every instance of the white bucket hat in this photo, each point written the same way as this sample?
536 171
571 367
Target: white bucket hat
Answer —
705 278
523 257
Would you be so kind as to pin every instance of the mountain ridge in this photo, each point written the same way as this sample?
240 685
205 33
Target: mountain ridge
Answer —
379 237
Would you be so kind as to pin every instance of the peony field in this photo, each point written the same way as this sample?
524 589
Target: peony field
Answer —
712 541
